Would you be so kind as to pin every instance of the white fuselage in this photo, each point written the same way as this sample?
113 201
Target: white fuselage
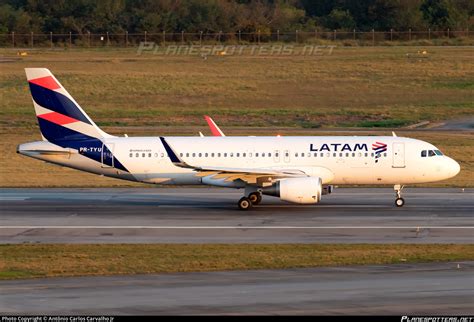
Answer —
336 160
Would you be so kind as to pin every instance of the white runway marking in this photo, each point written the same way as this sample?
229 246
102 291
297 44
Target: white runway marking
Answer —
13 198
237 227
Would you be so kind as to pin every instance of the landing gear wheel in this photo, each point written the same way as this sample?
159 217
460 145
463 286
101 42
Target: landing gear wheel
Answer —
399 202
245 203
255 198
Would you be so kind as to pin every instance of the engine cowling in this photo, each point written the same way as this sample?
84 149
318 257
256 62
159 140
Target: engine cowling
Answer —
307 190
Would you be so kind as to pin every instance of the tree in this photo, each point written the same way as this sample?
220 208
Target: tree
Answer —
439 13
340 19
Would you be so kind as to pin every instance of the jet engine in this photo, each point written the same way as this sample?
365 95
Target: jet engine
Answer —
307 190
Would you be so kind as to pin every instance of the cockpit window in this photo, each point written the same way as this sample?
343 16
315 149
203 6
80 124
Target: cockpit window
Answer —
430 153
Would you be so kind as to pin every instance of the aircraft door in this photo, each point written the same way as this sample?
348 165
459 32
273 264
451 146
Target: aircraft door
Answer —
398 155
107 156
276 156
249 157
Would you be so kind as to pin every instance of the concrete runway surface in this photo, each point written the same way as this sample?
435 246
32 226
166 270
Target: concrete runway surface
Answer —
422 289
210 215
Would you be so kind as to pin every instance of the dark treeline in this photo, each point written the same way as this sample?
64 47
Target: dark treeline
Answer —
136 16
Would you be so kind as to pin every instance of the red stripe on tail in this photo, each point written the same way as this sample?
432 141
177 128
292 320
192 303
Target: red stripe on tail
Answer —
47 82
57 118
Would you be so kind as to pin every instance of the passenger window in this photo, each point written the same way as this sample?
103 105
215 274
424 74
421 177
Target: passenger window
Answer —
225 155
263 154
137 154
296 154
187 154
321 155
334 154
231 154
244 155
423 153
287 154
340 154
385 154
237 154
205 154
372 154
315 155
309 154
256 155
212 155
200 154
218 155
366 154
353 154
181 155
276 155
347 154
269 155
131 155
162 155
149 155
194 155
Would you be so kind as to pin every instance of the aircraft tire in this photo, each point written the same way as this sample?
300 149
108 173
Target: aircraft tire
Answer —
245 203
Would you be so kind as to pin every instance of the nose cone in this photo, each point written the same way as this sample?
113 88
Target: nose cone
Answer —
452 167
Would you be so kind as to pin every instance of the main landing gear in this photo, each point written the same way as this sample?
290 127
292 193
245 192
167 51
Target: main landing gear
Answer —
254 198
399 202
245 203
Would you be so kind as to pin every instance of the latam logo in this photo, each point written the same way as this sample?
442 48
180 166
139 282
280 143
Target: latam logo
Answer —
338 147
378 148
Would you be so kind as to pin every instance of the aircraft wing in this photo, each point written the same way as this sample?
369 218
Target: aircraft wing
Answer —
249 175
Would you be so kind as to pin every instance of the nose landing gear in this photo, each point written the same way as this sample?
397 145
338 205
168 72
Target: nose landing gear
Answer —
399 202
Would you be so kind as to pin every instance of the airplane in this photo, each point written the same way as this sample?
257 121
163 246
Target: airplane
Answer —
296 169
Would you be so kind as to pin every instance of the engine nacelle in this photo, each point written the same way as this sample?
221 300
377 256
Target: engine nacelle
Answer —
307 190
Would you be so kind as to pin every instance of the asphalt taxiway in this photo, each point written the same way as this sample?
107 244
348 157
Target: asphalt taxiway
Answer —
209 215
422 289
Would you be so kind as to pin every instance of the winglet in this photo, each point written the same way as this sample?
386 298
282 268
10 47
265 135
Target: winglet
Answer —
393 134
216 131
173 155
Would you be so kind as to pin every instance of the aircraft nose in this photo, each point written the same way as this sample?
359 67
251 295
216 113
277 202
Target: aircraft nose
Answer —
453 167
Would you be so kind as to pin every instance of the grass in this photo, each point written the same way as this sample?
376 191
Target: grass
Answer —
383 123
25 261
346 87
